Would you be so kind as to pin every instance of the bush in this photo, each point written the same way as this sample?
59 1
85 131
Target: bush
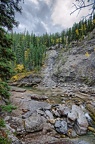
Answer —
4 89
2 123
8 108
4 140
19 68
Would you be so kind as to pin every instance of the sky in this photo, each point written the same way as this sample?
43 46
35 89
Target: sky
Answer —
51 16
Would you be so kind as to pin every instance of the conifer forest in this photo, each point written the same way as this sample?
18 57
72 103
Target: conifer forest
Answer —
30 49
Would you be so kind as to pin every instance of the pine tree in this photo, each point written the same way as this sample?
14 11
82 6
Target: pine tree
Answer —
7 20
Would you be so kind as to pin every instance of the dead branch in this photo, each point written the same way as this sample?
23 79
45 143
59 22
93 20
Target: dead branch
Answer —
80 4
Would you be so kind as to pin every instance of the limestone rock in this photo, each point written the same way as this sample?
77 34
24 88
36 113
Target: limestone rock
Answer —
49 114
61 126
80 121
63 110
34 123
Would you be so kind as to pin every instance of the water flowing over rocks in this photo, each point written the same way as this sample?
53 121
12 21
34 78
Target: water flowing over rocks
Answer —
47 72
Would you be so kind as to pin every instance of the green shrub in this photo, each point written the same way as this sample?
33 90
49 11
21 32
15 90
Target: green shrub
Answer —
4 89
4 140
8 108
2 123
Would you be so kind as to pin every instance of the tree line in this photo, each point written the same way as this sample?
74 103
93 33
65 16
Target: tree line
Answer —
30 50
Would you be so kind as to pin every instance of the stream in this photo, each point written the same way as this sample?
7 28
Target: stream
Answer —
68 95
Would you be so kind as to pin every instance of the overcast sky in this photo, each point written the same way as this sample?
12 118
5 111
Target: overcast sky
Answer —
41 16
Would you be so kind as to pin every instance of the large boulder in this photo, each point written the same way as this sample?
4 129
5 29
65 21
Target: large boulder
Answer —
78 117
34 123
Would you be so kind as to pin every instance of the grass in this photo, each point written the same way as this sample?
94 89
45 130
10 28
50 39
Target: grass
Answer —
4 140
2 123
8 108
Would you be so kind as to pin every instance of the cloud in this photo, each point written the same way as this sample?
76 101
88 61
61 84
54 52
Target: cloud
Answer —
34 1
61 14
41 16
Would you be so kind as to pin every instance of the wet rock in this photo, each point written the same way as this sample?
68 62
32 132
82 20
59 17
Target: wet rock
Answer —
61 126
34 123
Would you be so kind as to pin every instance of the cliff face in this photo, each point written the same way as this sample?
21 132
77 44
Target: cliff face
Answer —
75 64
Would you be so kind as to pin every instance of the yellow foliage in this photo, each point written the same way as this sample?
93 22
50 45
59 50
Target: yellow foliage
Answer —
60 40
19 68
93 21
57 40
52 40
21 75
87 54
26 53
14 78
83 27
77 31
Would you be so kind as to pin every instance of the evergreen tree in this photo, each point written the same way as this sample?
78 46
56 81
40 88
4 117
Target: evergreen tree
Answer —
7 20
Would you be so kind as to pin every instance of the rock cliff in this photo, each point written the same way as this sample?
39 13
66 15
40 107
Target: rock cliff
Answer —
73 64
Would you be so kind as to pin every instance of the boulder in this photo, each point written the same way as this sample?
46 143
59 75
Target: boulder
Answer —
18 124
38 97
34 123
49 114
63 110
34 105
78 117
61 126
